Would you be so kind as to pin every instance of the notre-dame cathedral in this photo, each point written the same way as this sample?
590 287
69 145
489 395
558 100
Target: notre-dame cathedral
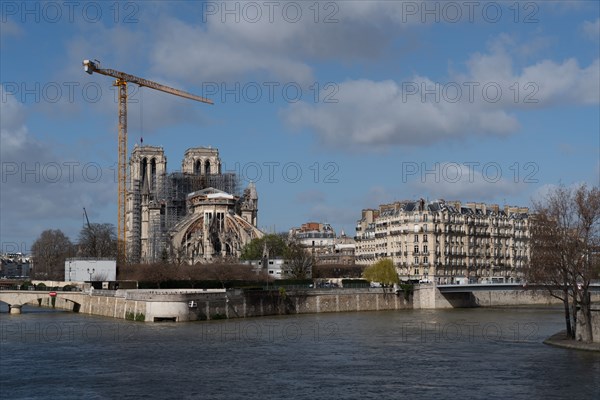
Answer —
195 215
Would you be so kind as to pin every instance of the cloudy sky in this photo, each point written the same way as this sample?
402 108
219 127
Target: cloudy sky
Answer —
330 107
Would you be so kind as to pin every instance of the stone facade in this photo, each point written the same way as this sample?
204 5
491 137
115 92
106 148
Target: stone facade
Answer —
194 215
446 242
321 241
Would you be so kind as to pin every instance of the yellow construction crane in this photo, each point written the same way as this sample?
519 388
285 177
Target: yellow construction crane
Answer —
121 82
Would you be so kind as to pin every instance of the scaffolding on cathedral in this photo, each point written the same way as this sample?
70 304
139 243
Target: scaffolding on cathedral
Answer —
169 199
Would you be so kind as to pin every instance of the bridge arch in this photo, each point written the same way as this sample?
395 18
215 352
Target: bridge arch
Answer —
17 298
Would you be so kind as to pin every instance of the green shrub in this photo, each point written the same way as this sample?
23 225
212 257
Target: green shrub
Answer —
131 316
408 289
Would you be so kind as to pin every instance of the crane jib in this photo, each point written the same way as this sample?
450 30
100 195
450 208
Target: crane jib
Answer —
150 84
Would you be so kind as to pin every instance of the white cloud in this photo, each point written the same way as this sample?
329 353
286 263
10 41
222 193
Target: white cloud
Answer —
273 46
453 181
381 113
592 29
420 111
9 28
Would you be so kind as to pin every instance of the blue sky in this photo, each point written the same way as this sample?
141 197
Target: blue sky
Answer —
331 107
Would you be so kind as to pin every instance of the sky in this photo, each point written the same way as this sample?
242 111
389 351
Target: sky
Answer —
329 107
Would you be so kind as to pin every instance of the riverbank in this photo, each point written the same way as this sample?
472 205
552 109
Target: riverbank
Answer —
562 340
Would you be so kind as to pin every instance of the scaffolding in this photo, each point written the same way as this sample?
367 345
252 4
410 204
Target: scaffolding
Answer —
167 206
178 185
136 224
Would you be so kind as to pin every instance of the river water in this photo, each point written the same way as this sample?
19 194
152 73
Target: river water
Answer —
437 354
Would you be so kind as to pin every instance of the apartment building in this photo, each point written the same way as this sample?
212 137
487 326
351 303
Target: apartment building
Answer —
445 241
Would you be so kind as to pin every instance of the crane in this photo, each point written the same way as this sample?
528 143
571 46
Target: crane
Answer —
87 219
121 81
92 233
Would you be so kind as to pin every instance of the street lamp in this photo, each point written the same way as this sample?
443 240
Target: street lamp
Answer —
91 272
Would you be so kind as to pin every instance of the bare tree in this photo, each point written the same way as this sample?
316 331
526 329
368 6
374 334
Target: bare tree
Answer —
49 253
98 240
300 261
565 236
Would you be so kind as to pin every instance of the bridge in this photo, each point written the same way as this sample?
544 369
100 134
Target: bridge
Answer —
487 295
139 304
474 287
17 298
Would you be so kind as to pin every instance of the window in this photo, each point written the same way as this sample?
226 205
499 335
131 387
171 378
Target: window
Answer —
416 250
416 238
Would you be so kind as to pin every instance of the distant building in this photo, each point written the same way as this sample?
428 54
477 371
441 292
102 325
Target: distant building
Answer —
445 241
321 241
14 265
276 267
90 269
194 215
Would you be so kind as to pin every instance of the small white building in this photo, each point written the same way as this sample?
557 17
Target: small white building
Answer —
276 267
90 269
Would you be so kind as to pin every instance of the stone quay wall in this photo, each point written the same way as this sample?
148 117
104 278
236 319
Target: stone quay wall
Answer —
198 304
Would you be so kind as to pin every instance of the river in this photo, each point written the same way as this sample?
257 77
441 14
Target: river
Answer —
436 354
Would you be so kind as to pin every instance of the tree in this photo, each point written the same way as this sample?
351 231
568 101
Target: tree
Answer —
565 240
273 245
49 253
300 261
382 271
98 241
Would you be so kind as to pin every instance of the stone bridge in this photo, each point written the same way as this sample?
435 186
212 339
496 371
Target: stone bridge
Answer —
17 298
487 295
138 304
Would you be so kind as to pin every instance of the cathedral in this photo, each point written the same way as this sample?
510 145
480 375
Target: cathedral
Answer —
194 216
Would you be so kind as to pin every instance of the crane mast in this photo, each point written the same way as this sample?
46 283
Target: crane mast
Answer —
121 82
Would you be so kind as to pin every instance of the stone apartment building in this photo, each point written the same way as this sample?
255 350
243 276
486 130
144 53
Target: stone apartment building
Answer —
321 241
446 241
